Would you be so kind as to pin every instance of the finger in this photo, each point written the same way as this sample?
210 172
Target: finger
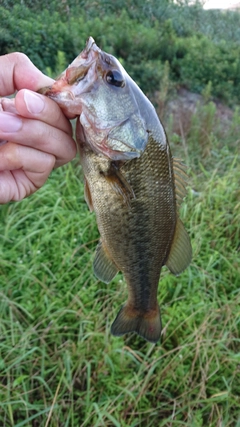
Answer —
34 105
18 72
22 171
2 141
30 105
8 105
14 156
39 135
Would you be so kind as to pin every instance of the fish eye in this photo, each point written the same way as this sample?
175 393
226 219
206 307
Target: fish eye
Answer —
115 78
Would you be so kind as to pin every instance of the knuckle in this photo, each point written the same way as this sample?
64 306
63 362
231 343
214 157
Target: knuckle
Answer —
9 155
51 162
19 57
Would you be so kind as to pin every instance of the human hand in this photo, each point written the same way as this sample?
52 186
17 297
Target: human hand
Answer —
38 134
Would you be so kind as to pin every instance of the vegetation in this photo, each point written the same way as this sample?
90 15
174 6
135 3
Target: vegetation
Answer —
59 365
200 46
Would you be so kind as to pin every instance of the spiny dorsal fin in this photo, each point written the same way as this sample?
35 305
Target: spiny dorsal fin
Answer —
103 267
181 250
180 179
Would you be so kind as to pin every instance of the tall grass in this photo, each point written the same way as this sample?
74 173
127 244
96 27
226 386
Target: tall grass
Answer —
59 365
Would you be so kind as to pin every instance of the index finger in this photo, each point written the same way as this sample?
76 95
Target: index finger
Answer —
18 72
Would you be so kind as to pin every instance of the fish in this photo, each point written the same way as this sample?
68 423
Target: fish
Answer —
132 183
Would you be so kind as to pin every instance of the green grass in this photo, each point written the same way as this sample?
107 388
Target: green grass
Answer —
59 365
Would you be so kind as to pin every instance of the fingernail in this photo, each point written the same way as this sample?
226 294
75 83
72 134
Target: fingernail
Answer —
9 122
34 102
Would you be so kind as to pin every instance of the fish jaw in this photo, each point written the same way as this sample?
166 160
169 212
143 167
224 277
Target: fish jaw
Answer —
106 140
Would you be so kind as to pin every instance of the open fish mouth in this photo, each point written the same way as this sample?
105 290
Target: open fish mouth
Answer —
77 78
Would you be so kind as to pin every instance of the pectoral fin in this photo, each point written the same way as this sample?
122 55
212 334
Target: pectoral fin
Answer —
119 184
181 250
103 267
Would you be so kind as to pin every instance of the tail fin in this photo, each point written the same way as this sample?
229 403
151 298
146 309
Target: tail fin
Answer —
147 325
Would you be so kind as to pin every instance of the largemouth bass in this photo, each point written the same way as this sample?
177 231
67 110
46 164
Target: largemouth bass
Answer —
131 182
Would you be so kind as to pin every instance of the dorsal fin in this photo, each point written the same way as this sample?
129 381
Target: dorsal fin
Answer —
181 250
180 180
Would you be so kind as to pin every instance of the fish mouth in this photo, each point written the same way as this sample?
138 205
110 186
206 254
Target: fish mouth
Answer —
77 78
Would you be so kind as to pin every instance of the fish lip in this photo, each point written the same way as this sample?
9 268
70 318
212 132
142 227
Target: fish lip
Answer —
91 45
45 90
57 95
61 96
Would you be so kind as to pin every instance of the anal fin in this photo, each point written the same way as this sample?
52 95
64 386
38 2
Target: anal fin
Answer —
181 250
103 266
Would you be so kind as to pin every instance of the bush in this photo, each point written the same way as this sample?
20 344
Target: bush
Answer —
205 61
39 38
143 46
